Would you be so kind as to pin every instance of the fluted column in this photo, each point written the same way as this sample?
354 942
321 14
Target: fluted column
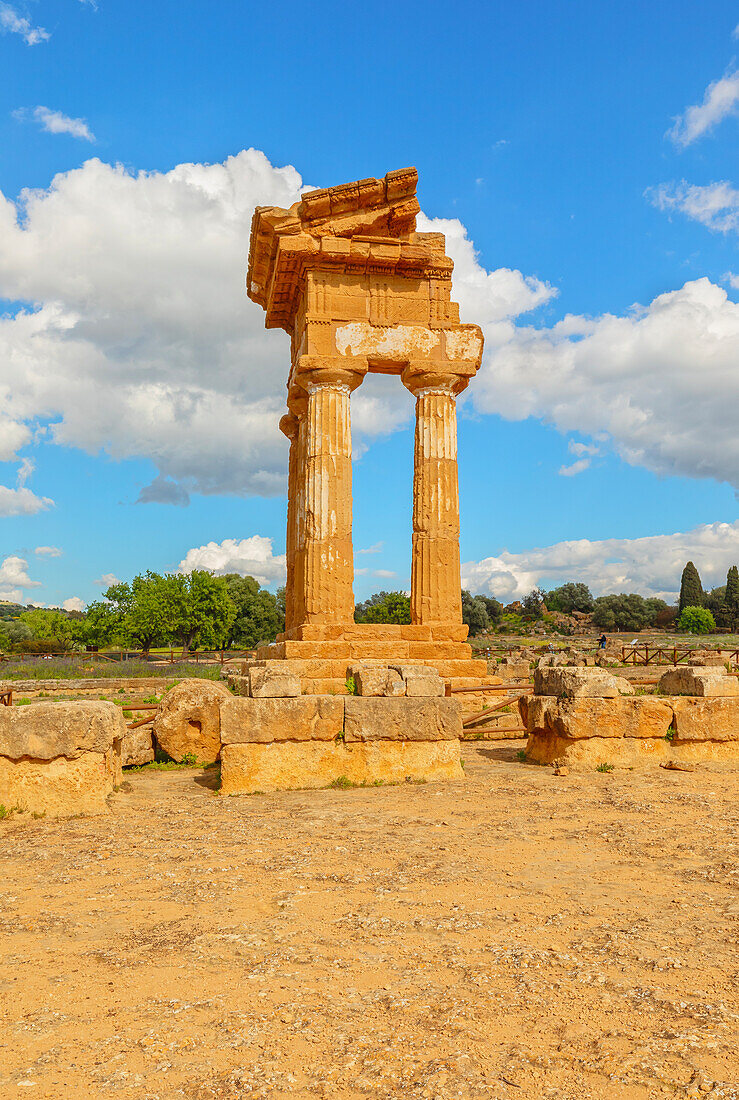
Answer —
326 560
289 425
435 573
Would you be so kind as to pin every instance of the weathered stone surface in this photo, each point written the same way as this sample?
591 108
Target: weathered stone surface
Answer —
260 721
421 681
377 680
138 747
246 768
44 731
584 717
593 683
626 752
239 683
189 720
401 719
63 786
269 681
511 669
705 682
711 719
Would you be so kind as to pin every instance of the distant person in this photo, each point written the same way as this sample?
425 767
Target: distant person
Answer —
602 642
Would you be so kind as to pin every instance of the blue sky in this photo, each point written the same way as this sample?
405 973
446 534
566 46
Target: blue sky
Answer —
589 153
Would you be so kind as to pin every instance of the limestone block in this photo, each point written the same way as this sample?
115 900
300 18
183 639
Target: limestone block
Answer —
44 731
273 682
711 719
246 768
138 747
583 716
587 754
63 786
510 669
704 682
239 684
420 680
401 719
377 680
260 721
189 720
594 683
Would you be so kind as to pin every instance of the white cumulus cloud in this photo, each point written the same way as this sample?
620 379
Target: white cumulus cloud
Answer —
660 382
720 100
48 552
56 122
12 22
21 501
14 579
252 556
106 580
651 565
74 603
715 205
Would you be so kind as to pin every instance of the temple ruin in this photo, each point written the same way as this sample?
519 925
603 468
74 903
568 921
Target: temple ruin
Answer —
360 292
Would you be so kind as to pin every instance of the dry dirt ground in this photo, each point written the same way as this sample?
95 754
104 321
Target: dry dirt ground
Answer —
518 935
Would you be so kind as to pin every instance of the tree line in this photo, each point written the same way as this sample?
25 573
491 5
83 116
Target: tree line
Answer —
192 610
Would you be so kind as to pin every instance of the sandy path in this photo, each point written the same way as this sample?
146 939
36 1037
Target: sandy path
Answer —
515 936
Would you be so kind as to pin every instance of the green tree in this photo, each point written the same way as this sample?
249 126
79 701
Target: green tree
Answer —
570 597
200 607
12 632
696 620
258 615
626 612
474 613
50 625
143 610
691 589
732 594
532 606
100 625
384 607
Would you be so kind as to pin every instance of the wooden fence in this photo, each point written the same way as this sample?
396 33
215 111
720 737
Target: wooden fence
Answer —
666 655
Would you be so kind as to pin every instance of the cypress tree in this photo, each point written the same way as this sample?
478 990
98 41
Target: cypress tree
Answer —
732 592
691 589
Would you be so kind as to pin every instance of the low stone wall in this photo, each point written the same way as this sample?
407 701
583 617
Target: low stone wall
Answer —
583 731
108 685
60 758
314 740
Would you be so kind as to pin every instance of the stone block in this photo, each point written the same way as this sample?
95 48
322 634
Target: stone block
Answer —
189 720
137 747
290 765
401 719
272 681
44 731
704 682
710 719
377 680
593 683
420 680
584 716
260 721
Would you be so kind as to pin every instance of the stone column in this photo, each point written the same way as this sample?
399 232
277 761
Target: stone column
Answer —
326 560
289 425
435 573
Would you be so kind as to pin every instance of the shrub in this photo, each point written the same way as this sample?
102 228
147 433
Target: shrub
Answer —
696 620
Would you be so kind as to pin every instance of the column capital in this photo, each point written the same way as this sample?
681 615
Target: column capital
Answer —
312 371
424 378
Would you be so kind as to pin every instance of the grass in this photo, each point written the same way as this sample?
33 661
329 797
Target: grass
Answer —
351 685
604 768
521 755
60 668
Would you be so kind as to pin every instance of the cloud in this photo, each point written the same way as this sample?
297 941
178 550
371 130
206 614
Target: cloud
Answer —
650 565
383 573
375 549
585 453
74 603
106 580
720 100
55 122
13 23
731 280
21 501
659 383
163 490
250 557
715 205
574 468
14 578
48 552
